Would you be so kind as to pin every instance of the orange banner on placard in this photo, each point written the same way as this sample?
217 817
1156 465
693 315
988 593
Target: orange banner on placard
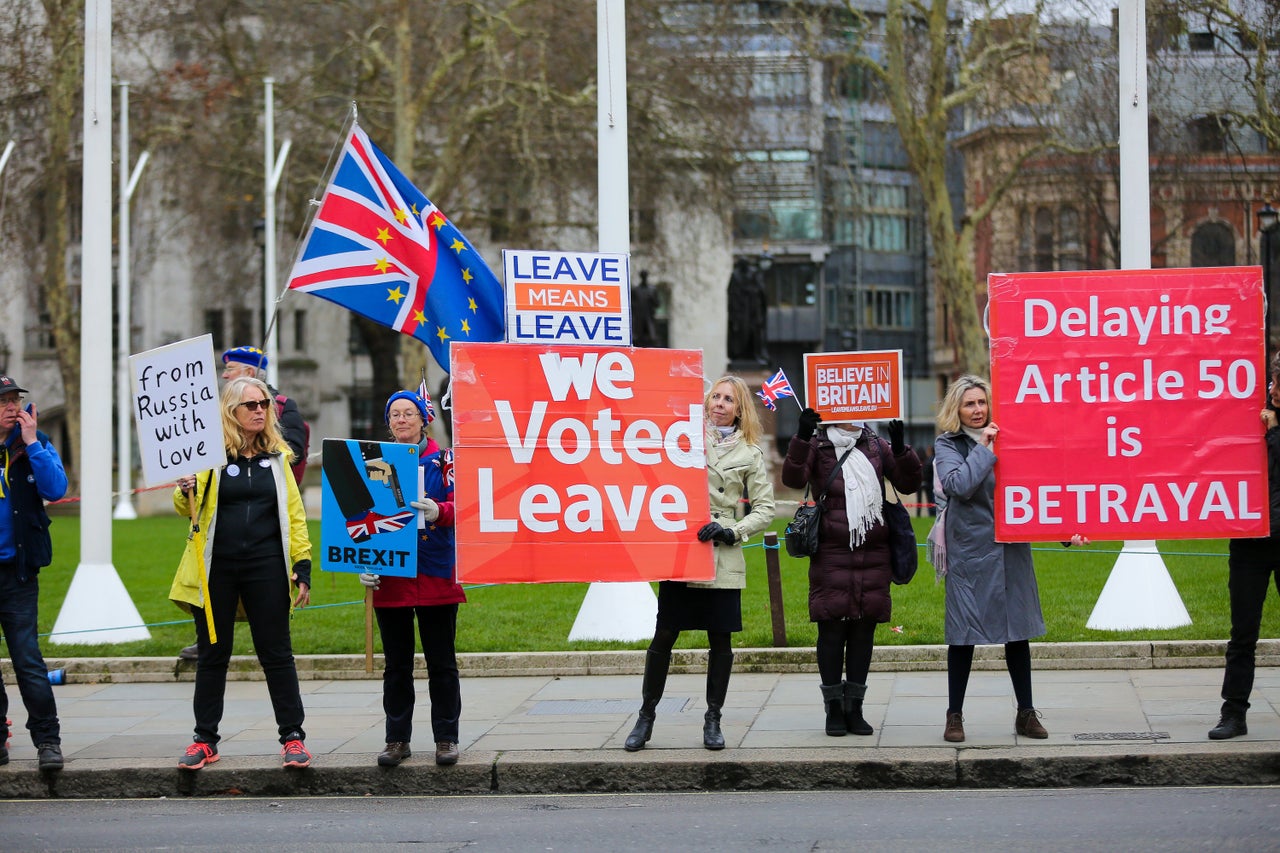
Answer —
854 386
553 296
579 464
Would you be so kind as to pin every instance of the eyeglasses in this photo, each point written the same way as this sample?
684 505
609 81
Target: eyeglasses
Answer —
404 416
14 402
260 405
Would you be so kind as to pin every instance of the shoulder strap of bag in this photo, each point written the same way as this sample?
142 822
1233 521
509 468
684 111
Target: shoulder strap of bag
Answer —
832 476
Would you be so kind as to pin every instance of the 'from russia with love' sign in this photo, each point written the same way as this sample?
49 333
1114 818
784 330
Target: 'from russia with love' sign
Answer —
1128 402
579 463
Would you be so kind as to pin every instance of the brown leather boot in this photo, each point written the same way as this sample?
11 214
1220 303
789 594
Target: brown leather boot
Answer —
1027 724
954 732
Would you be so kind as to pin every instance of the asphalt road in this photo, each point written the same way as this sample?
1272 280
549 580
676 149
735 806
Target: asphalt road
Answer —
1119 819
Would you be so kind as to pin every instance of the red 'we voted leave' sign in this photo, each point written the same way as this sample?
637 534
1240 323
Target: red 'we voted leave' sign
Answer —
579 463
1128 404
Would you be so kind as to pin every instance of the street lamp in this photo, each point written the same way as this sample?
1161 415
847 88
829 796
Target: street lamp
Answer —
1268 219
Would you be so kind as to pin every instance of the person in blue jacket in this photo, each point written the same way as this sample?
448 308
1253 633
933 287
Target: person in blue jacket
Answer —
30 474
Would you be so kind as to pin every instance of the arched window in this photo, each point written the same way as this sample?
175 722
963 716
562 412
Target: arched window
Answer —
1213 245
1070 255
1044 239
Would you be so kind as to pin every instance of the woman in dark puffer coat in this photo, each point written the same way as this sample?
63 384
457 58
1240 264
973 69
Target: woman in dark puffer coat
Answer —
849 577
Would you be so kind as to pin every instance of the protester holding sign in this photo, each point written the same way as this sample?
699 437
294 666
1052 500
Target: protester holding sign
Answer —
850 575
432 596
991 592
255 543
736 472
1252 566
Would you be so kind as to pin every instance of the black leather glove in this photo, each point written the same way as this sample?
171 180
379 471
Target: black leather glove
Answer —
715 532
897 432
809 420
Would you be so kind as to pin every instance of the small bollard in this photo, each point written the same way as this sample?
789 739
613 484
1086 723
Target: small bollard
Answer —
57 676
776 612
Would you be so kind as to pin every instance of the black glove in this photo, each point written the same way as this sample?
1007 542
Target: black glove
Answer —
809 420
897 432
721 535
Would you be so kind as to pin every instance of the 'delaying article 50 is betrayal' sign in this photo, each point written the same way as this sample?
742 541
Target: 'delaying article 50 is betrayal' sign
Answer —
1128 404
579 463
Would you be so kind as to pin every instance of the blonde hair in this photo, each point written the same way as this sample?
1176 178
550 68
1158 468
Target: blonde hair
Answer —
270 440
949 411
747 421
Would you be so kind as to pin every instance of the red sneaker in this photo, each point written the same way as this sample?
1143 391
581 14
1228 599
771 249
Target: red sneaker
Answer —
295 754
197 756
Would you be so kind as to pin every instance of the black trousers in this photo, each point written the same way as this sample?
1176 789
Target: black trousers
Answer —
264 589
844 648
437 626
1252 566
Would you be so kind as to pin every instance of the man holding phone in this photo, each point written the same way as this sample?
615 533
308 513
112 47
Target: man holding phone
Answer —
1252 566
30 474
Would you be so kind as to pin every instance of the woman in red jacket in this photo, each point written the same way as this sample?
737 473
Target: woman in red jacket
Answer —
433 597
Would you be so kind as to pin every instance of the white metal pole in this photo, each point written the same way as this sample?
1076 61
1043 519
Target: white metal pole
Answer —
613 611
1139 592
124 327
613 180
271 344
4 158
97 608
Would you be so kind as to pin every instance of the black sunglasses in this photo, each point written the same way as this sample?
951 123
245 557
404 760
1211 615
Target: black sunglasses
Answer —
261 405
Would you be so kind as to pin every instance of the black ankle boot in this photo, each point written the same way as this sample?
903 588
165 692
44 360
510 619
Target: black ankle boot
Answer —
656 666
853 720
1230 724
719 667
833 701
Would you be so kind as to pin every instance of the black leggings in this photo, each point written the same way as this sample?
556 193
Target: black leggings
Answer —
664 640
1017 659
845 639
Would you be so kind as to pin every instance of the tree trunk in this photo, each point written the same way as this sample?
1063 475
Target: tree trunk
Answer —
65 23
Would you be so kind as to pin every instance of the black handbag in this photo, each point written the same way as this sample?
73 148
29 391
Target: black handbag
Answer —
904 556
801 535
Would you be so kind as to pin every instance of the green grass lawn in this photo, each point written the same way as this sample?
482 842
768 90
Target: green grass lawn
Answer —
538 617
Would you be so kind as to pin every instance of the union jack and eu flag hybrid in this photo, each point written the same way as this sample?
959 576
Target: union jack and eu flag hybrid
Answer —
774 387
379 248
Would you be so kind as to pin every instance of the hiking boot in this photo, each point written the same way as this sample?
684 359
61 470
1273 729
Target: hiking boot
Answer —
446 753
395 752
50 755
197 756
1027 724
295 754
954 732
1230 724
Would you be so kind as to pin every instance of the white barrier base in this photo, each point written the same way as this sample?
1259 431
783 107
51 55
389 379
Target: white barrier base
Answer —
616 611
1139 593
97 609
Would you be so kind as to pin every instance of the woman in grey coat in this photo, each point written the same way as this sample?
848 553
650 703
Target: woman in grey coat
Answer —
991 593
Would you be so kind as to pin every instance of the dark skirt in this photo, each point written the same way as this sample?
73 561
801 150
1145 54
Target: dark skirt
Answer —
690 608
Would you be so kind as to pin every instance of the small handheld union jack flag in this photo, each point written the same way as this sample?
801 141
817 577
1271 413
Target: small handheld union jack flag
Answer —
426 398
774 387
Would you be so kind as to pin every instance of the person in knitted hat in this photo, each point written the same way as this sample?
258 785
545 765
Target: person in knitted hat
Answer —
432 597
252 362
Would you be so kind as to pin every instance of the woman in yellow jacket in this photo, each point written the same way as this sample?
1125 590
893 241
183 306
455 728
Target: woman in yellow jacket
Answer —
735 472
254 544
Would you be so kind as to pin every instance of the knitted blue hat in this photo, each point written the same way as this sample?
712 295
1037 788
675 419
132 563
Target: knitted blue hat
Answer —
251 356
427 412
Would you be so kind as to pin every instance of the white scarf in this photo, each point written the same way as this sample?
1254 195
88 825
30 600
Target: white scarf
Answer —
863 499
975 434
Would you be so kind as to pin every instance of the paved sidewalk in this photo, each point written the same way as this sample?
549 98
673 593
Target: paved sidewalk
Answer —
560 733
